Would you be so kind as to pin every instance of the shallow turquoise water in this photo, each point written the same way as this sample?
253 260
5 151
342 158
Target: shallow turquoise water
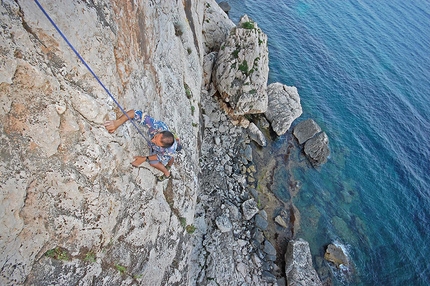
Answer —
362 69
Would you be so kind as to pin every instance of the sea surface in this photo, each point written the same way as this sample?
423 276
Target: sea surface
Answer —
362 69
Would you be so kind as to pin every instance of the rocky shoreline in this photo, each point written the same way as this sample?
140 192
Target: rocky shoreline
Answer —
73 209
237 209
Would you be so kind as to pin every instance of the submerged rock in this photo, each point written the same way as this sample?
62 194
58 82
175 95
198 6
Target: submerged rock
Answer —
279 220
336 255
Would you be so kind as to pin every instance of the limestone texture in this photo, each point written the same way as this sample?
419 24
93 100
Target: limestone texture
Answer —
283 106
73 209
315 142
242 68
298 268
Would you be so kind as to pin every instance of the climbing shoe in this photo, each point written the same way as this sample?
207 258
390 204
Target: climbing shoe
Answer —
163 177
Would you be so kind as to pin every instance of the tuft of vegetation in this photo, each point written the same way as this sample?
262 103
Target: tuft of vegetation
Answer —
235 53
192 110
243 67
120 268
183 221
190 229
248 25
188 92
58 253
90 257
189 51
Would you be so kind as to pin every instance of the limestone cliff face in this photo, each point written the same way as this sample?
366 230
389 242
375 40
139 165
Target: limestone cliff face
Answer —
73 210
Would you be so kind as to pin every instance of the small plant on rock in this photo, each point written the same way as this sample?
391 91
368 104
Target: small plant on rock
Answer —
190 229
120 268
243 67
248 25
183 221
90 257
58 253
187 91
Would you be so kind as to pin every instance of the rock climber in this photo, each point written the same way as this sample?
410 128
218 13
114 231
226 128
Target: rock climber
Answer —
162 143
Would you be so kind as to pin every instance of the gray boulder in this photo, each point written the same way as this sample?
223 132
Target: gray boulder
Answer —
215 27
315 142
249 209
283 106
305 130
261 222
256 135
298 264
279 220
223 223
316 149
208 64
225 6
242 68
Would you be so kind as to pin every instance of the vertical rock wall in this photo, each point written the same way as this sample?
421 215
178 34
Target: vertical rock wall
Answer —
73 210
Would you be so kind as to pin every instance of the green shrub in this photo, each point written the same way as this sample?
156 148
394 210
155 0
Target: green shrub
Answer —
248 25
243 67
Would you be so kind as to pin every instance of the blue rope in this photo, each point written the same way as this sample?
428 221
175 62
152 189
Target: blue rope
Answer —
89 68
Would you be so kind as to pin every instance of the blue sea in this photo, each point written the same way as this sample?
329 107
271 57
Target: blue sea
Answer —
362 69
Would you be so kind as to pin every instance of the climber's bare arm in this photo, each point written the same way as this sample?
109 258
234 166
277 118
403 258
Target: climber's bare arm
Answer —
112 125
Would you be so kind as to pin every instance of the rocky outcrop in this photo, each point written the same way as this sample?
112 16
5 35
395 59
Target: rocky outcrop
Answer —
283 106
216 27
315 141
298 264
241 70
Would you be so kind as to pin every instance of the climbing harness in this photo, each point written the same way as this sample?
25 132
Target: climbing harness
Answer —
89 68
